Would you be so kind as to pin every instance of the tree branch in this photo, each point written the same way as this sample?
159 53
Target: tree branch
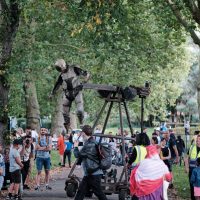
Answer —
194 10
3 5
183 22
80 49
198 4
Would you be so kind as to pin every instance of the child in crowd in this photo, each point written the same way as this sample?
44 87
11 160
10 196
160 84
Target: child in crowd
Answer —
61 147
68 153
195 180
2 169
15 170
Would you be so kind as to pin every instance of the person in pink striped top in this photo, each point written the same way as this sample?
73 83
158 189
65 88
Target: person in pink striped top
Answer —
146 180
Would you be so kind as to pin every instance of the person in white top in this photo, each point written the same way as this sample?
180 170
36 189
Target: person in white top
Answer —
34 134
26 155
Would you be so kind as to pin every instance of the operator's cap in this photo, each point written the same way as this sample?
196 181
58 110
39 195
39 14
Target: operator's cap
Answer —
87 129
17 141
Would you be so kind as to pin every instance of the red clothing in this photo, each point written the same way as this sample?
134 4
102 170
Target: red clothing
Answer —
61 145
148 176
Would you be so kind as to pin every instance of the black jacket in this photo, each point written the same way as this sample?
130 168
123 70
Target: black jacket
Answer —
89 155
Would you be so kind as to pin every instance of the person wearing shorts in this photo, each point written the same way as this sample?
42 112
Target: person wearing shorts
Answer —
43 148
15 170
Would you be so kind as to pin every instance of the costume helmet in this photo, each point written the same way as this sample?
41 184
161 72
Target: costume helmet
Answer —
60 65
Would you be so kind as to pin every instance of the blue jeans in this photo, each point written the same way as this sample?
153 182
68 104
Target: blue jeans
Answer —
40 162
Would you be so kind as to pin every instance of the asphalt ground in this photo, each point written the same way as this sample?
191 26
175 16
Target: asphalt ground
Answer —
57 183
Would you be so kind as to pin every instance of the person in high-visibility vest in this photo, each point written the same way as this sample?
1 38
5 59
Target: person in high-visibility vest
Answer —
139 153
190 161
139 150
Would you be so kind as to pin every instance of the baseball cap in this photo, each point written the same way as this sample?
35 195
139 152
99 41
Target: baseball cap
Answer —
17 141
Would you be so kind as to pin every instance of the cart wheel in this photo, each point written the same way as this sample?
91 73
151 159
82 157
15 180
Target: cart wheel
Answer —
122 194
71 189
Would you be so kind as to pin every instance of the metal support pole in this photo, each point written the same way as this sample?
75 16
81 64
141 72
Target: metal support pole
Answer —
99 115
106 120
128 118
73 168
107 117
142 114
123 142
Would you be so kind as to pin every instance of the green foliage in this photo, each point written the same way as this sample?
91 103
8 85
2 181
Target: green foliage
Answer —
176 13
107 39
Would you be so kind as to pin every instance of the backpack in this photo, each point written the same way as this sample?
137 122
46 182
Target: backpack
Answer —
180 146
103 161
105 155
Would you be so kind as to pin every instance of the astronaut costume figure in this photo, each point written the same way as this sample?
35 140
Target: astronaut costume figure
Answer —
69 79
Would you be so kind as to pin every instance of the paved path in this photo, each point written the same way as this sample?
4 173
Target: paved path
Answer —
58 193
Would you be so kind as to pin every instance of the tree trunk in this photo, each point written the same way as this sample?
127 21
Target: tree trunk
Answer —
73 120
198 99
57 119
9 23
198 88
4 89
32 106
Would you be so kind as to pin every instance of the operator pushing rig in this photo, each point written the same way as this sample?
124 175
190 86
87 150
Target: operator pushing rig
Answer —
119 95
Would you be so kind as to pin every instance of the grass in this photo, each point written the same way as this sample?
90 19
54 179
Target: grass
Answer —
181 182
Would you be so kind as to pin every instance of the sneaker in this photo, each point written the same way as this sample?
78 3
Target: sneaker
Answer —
37 188
4 188
48 187
26 187
17 197
171 186
9 196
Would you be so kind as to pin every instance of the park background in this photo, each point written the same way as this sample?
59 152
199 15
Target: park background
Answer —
120 42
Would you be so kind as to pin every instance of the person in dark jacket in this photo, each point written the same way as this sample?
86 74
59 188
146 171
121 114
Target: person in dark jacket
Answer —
90 156
180 147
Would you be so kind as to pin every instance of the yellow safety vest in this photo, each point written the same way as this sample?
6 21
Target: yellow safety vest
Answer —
193 156
141 154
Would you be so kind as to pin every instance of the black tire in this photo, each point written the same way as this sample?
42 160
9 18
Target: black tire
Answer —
71 189
122 194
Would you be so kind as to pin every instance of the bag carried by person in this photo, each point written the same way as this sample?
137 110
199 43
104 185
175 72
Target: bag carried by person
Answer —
104 160
105 154
91 165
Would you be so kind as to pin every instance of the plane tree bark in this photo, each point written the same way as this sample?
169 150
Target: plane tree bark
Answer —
9 22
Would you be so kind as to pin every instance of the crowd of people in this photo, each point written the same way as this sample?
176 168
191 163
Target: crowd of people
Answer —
28 148
145 158
17 160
